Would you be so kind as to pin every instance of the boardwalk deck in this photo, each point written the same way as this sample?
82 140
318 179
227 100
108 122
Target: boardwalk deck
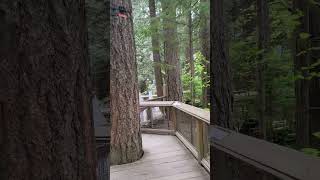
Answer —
165 158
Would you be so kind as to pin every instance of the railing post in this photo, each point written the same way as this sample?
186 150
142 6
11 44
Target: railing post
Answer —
149 115
173 118
200 143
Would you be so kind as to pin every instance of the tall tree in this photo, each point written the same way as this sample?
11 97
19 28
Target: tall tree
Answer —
126 142
307 88
189 47
220 73
46 127
156 47
171 47
205 47
263 43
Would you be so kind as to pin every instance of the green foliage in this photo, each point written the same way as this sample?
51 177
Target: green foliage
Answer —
317 135
142 32
98 44
200 79
277 62
311 151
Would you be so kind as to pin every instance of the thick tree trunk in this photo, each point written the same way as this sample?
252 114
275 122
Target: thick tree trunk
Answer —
156 47
263 43
189 50
126 143
205 50
171 48
46 127
220 73
301 85
307 91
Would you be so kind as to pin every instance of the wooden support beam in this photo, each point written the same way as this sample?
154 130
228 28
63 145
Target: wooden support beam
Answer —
173 118
200 142
150 116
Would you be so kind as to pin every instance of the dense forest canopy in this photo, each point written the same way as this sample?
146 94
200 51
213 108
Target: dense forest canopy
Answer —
264 42
143 32
274 58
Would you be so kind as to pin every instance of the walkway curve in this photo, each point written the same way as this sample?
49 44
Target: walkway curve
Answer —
165 158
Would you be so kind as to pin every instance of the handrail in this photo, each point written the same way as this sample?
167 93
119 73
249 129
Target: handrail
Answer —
156 98
273 159
201 117
253 158
193 111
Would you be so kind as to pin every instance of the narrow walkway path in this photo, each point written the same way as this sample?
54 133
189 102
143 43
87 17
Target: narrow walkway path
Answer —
165 158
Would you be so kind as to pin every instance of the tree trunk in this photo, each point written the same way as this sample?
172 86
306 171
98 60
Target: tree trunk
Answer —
156 47
126 143
263 43
307 91
302 85
189 50
205 50
46 127
220 73
171 48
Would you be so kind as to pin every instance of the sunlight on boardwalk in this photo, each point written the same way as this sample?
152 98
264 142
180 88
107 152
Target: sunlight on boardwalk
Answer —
165 158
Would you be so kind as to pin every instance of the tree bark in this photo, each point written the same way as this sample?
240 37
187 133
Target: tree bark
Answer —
156 47
171 48
263 27
220 73
307 91
189 49
46 127
126 143
205 50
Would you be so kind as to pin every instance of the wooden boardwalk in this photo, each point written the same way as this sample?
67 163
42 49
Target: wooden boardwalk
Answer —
165 158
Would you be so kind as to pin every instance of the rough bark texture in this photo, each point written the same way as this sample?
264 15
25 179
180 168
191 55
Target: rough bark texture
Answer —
307 91
189 49
156 48
46 127
126 145
220 75
263 43
171 48
205 49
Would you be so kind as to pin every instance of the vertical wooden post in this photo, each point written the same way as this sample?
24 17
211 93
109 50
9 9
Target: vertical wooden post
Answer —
173 118
149 115
200 144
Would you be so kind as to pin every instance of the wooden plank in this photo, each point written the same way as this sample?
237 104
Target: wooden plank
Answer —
157 98
187 144
200 143
277 160
156 103
165 157
193 111
157 131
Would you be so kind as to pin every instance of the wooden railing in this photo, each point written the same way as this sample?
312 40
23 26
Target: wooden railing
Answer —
188 123
237 156
234 155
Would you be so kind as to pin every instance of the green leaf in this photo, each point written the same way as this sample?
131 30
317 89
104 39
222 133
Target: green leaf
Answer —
317 134
311 151
314 2
304 35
